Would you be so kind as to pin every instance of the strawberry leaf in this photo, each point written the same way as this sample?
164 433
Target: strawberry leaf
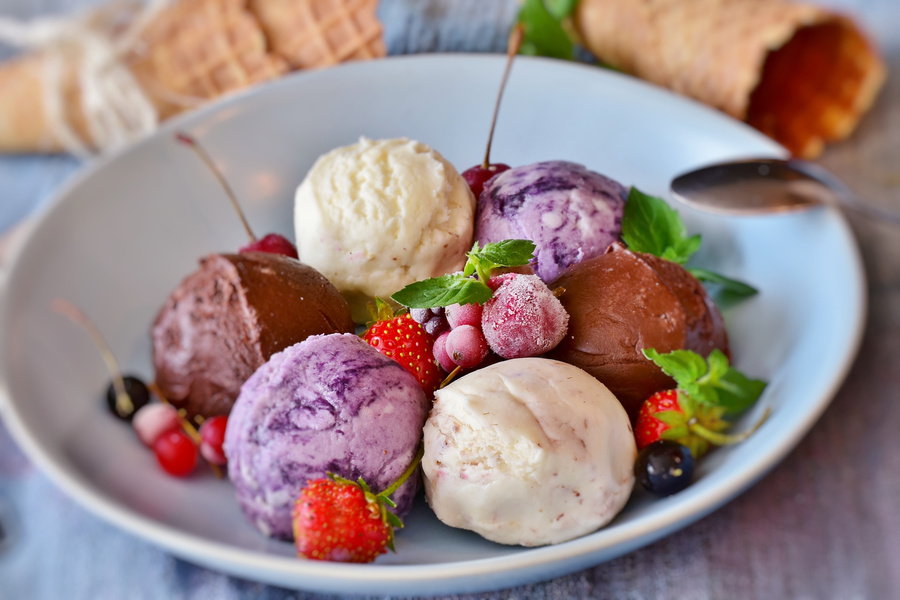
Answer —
672 418
675 433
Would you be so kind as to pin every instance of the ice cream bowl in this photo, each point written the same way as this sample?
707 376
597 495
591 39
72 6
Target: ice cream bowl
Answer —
119 236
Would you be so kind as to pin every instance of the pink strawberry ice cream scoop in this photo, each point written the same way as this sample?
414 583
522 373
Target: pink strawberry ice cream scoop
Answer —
331 403
569 212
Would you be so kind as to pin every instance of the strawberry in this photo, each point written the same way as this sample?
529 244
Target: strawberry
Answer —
402 339
696 413
336 519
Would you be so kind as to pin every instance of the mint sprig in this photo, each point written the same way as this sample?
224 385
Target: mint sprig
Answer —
710 381
651 226
461 288
544 34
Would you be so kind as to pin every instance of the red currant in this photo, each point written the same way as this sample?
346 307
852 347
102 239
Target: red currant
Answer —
212 435
176 453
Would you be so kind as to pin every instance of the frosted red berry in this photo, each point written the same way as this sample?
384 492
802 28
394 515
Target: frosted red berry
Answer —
464 314
466 346
212 436
153 420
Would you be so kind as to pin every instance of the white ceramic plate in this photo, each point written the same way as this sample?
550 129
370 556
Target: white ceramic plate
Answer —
120 237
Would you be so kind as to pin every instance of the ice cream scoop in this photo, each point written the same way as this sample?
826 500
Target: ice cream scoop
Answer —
227 318
378 215
569 212
622 302
529 451
331 403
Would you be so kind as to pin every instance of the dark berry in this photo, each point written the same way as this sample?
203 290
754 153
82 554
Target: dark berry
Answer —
435 326
136 390
176 453
664 467
477 176
271 244
420 315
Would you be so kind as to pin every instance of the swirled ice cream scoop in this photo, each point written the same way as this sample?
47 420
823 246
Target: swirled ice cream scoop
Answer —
330 403
378 215
569 212
528 451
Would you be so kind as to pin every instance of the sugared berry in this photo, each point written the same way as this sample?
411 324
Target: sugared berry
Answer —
523 318
273 243
176 453
153 420
464 314
420 315
477 176
664 467
440 353
136 390
466 346
435 326
212 435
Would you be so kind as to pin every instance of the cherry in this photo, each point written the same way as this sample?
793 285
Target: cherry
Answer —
664 467
477 176
273 243
212 435
176 453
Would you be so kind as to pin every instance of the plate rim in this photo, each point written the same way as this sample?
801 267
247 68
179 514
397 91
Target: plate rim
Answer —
534 564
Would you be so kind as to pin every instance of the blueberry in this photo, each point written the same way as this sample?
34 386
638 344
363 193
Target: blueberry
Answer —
420 315
664 467
136 390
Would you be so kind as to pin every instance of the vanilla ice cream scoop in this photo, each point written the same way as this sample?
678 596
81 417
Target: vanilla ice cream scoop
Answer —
378 215
529 451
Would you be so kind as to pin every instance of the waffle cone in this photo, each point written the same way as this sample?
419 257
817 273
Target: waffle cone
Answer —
800 74
319 33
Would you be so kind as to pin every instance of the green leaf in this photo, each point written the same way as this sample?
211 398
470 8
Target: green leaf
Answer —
730 286
651 226
443 291
672 418
711 381
508 253
560 9
543 33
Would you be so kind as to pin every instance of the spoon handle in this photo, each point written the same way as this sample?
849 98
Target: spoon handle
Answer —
844 196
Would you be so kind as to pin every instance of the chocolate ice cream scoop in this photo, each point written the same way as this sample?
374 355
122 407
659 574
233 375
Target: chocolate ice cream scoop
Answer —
622 302
227 318
569 212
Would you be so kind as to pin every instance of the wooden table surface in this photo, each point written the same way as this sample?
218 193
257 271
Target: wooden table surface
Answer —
825 523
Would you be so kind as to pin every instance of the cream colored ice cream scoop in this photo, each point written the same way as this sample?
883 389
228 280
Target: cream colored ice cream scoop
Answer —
378 215
529 451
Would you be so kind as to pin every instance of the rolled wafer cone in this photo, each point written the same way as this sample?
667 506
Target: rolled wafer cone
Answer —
320 33
798 73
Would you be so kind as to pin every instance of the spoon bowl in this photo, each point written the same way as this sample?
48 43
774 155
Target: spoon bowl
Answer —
762 186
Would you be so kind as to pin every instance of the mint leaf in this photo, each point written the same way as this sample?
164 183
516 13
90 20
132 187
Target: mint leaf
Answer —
443 291
651 226
508 253
711 381
560 9
543 33
734 287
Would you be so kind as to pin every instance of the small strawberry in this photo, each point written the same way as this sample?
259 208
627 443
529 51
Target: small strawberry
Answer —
339 520
696 413
399 337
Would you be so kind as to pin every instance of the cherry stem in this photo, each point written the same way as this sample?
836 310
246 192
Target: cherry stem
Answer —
186 425
205 157
406 474
512 48
124 404
450 377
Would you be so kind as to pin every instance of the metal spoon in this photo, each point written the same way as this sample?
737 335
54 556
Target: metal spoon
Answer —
766 185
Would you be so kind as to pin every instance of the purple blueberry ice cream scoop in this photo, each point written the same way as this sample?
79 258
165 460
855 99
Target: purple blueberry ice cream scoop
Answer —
570 213
330 403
